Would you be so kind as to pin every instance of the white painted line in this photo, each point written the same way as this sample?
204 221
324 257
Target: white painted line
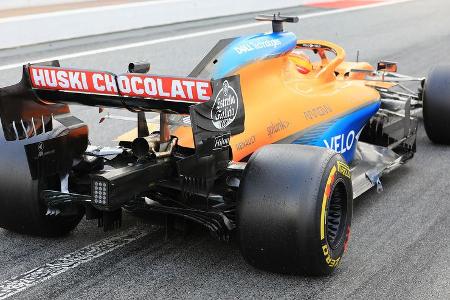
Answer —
69 24
193 35
72 260
88 9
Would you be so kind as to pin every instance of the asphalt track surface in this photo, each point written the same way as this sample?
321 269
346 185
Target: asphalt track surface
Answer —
399 243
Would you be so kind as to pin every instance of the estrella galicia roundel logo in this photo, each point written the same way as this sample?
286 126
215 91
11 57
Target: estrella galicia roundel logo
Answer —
225 107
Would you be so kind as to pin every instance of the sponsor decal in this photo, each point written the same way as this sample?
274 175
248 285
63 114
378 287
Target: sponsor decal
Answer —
221 141
41 151
40 148
225 107
256 45
277 127
131 85
164 87
343 142
223 114
186 120
245 143
309 45
317 46
316 112
344 169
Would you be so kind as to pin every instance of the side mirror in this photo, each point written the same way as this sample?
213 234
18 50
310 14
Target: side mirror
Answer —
387 66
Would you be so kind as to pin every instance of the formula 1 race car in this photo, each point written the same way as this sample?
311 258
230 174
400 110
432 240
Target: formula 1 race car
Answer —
269 138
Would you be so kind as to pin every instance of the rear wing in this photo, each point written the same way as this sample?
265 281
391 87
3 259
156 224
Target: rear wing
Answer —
131 90
214 106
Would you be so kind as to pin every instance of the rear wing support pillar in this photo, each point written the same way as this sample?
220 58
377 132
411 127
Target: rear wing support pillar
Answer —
164 130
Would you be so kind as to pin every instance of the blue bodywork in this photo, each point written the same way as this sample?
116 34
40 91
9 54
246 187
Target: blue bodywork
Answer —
342 134
248 49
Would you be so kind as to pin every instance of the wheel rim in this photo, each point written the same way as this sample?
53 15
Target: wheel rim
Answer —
337 215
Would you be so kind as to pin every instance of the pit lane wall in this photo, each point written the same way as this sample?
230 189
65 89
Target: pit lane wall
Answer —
67 24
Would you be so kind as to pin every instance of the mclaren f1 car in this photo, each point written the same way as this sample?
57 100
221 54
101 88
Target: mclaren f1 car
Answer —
268 139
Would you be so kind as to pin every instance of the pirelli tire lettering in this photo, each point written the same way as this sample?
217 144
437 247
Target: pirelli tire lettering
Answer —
344 169
335 215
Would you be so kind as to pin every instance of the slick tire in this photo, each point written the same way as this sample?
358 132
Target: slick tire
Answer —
24 174
295 209
436 105
25 212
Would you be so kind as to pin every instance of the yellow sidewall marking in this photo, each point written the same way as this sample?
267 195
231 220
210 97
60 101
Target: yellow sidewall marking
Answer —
324 202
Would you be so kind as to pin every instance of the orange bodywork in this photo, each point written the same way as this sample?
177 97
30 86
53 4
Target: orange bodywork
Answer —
281 102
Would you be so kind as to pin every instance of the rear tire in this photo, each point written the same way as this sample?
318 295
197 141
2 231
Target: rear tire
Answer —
26 214
295 209
61 137
436 105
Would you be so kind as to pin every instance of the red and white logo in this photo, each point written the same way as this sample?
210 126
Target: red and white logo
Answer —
140 85
130 85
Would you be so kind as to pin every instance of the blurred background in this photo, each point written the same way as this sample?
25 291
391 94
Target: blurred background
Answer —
26 22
